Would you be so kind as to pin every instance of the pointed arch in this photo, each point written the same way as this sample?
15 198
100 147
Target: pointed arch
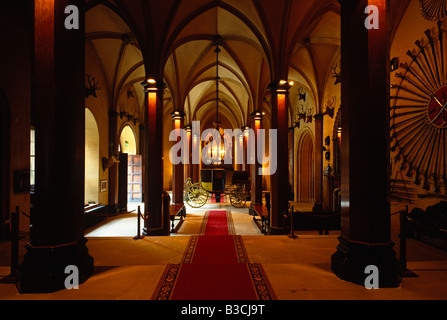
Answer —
305 166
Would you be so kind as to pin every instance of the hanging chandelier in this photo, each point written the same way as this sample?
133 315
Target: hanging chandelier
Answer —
217 152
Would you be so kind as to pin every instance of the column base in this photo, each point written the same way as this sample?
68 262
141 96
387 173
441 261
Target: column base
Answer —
351 259
159 232
277 231
43 269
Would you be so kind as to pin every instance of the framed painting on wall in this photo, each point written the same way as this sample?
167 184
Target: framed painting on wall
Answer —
103 185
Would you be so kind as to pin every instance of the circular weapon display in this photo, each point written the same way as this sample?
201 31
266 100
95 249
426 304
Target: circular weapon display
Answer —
419 114
433 9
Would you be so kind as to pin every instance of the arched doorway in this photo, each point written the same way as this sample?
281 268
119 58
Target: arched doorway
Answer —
91 190
128 143
305 169
130 189
4 167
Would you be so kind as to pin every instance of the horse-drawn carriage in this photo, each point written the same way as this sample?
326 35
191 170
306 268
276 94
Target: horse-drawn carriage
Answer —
213 182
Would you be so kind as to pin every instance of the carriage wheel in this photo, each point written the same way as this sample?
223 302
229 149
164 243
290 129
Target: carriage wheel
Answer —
238 199
196 196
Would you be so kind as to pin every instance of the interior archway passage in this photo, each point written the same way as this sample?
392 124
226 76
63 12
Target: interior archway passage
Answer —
419 115
306 170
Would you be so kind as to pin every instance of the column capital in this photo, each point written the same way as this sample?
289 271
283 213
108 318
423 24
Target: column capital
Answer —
281 86
152 84
113 114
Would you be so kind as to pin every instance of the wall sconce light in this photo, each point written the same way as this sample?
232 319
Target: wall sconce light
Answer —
284 86
339 132
150 84
257 115
177 114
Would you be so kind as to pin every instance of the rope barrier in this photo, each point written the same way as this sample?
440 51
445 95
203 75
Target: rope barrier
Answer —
318 215
397 212
26 215
109 214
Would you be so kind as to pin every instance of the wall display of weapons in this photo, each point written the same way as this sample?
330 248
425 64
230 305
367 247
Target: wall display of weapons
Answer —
418 113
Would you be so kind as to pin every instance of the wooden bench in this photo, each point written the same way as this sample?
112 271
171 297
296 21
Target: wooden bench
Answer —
261 211
177 212
321 221
93 207
94 214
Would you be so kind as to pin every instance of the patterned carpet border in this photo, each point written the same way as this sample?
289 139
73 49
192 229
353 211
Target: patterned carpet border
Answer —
204 222
190 249
240 249
260 282
230 223
167 283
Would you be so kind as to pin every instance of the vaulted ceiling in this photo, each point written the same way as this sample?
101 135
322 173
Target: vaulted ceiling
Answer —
263 41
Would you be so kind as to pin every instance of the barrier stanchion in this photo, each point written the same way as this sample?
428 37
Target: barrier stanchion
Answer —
138 236
15 222
405 273
292 227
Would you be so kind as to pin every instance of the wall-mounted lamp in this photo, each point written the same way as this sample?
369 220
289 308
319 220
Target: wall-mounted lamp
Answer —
284 86
151 85
177 114
257 115
339 132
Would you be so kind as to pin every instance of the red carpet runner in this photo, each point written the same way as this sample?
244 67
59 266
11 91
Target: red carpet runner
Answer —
215 267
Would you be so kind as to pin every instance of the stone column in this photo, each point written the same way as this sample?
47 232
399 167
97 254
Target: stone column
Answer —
318 153
113 171
255 166
188 166
365 236
245 165
196 154
157 223
280 179
290 140
57 224
178 169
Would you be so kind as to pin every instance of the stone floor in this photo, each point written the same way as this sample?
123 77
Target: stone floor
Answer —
298 269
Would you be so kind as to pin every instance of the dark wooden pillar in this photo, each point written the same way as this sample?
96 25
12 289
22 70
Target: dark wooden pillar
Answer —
239 151
255 166
365 173
245 165
57 225
156 224
113 170
280 179
196 149
291 146
318 172
178 169
188 166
